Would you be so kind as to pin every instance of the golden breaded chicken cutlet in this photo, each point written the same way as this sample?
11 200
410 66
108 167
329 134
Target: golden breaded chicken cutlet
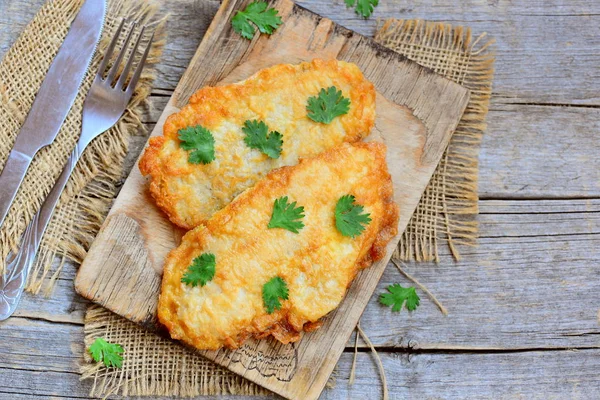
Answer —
283 253
229 137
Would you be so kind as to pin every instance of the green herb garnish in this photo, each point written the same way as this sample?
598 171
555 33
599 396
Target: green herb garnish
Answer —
272 291
349 217
398 295
329 104
286 215
201 271
266 20
258 137
108 353
363 7
200 142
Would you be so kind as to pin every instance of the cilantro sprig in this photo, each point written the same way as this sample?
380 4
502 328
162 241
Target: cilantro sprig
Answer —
258 137
363 7
286 215
266 20
201 271
200 142
398 295
330 103
349 217
108 353
272 292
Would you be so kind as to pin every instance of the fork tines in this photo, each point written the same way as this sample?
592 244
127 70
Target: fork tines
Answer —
112 72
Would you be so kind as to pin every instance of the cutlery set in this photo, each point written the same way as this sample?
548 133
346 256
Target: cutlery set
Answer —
103 106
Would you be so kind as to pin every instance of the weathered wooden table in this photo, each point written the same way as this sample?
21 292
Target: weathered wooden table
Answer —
524 305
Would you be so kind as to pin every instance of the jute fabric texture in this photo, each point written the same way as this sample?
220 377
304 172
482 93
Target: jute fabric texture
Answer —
92 186
153 365
448 208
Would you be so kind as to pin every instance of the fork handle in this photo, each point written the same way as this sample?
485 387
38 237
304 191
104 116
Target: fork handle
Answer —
18 265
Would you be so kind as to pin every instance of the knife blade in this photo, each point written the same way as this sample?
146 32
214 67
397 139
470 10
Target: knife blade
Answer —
54 98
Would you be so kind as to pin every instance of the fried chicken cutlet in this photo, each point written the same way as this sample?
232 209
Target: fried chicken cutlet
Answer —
218 285
190 193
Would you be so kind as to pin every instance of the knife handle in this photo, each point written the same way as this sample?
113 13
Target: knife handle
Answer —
12 175
18 264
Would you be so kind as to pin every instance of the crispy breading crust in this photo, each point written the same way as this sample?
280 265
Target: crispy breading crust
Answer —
190 193
318 263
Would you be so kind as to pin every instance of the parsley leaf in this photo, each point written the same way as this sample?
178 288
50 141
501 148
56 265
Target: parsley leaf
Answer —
108 353
200 141
398 295
329 104
349 219
363 7
201 271
265 19
257 137
286 215
272 291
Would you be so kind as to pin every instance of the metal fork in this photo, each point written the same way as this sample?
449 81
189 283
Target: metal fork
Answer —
102 108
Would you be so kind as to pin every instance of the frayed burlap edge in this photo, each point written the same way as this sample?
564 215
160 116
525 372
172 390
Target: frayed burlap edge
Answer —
153 365
448 208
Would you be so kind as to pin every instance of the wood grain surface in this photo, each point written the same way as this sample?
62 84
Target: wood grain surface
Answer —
417 112
537 163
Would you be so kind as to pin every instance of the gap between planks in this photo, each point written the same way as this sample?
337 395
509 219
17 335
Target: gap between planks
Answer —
389 349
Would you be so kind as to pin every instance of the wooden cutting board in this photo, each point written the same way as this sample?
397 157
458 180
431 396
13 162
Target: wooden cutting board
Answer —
417 111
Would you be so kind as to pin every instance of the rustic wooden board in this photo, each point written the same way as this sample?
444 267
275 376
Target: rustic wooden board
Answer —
417 112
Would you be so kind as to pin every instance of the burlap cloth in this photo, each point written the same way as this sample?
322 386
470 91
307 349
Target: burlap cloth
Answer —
92 186
152 365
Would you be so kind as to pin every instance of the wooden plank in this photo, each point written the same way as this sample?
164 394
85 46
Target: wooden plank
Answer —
504 156
62 305
31 370
534 151
543 47
510 219
539 206
187 23
528 151
28 345
531 375
553 35
42 384
532 282
14 16
122 269
521 375
505 245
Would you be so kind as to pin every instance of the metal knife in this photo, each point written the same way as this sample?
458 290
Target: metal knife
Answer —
54 99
